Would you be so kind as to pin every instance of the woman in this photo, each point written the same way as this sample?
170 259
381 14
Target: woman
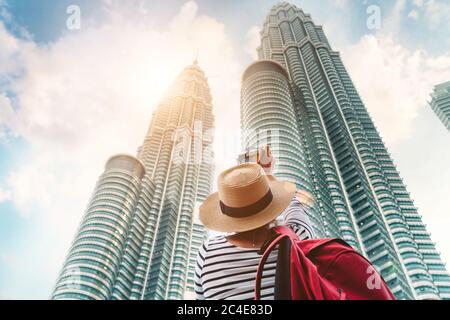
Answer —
246 206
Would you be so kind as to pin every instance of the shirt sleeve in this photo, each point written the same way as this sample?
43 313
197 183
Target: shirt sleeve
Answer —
296 217
198 287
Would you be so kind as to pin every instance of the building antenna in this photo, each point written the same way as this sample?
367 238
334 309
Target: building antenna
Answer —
196 58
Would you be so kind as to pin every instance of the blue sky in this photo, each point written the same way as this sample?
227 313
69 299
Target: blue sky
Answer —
64 95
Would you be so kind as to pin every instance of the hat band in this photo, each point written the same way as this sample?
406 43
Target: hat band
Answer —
243 212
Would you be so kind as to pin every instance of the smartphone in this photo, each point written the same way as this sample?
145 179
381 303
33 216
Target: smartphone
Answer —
261 156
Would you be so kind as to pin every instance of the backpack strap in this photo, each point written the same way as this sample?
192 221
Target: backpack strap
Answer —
263 261
281 233
286 231
283 285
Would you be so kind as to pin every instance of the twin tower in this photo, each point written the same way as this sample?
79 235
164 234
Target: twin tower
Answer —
139 236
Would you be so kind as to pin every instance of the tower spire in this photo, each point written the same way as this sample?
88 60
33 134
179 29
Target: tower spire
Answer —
196 59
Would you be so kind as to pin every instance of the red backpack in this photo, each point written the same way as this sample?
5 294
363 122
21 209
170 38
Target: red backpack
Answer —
322 269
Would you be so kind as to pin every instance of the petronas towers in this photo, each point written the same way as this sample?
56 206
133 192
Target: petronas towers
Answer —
440 103
139 236
300 98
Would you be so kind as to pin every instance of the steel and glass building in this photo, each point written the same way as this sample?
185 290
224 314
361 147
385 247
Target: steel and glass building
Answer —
300 99
440 103
140 234
97 253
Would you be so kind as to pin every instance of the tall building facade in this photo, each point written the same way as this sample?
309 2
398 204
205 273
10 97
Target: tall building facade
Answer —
300 99
440 103
140 234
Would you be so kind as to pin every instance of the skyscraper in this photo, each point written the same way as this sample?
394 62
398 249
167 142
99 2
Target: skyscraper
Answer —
440 103
139 236
300 98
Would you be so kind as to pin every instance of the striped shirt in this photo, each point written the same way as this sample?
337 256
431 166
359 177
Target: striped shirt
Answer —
227 272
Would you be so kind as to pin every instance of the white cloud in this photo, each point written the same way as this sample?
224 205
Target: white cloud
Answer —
394 81
4 195
340 3
437 12
392 22
6 114
413 14
10 63
6 110
253 40
89 95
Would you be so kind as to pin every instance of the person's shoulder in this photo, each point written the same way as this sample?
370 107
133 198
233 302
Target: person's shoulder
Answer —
295 202
216 241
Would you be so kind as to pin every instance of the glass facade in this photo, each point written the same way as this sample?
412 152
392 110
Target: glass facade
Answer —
301 96
440 103
139 237
91 267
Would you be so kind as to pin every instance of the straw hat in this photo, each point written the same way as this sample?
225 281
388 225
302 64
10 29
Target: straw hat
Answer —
246 200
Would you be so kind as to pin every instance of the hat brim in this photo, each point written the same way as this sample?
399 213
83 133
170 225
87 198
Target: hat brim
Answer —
212 217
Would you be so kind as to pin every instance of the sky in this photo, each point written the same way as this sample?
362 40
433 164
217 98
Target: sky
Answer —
71 98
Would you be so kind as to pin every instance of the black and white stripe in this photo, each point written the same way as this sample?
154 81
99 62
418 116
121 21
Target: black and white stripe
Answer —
227 272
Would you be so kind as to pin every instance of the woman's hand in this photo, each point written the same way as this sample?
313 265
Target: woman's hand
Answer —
266 160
